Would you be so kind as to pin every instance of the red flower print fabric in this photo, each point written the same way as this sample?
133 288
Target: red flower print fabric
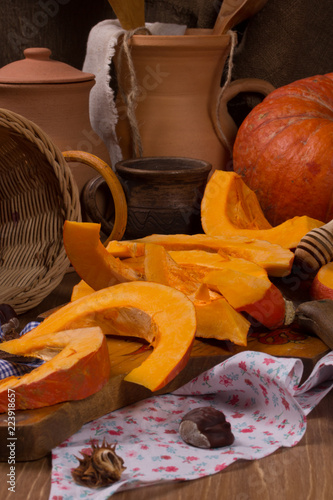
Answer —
260 395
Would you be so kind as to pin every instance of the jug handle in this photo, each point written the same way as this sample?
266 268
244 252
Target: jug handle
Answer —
224 124
114 185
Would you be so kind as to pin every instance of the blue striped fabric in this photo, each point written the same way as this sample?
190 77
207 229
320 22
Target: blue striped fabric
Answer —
8 369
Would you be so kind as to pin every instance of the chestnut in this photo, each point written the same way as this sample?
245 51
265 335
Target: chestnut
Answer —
206 427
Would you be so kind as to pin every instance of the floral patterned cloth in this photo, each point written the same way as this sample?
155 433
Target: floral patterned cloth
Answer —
260 395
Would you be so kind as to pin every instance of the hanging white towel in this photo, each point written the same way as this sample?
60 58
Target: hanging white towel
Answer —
101 48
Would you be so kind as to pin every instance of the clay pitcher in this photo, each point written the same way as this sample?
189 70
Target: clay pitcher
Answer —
179 112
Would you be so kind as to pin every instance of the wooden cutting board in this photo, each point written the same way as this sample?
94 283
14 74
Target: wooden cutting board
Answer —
39 431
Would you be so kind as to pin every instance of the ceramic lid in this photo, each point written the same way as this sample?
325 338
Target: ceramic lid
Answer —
37 67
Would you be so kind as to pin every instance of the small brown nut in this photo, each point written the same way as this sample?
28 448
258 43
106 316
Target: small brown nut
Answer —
206 427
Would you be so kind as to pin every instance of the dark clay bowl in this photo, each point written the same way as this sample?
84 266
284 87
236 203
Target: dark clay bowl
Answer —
163 194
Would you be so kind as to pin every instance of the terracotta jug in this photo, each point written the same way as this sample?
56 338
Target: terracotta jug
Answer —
178 108
55 96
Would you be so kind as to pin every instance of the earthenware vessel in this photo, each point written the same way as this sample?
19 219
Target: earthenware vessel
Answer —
55 96
163 194
179 109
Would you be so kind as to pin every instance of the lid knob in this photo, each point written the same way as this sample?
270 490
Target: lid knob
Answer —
39 53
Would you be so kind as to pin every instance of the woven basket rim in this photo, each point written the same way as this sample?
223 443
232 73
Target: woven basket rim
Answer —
29 296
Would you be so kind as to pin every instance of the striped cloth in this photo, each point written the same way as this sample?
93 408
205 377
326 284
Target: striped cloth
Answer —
9 369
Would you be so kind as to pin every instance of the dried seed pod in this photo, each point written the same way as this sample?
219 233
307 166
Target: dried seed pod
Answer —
100 468
316 316
206 427
9 321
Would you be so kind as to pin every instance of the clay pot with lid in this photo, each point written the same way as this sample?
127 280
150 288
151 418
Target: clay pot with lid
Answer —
55 96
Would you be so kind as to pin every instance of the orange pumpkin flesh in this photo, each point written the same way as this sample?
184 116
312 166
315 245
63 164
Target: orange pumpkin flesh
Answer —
230 207
215 317
322 284
218 320
161 268
204 262
162 315
82 244
276 260
253 295
77 365
81 289
284 148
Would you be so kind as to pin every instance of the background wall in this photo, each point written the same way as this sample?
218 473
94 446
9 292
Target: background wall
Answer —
285 41
63 25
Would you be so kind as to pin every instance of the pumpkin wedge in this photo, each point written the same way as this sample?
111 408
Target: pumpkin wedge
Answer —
81 289
218 320
161 315
90 259
203 262
161 268
230 207
215 317
77 364
276 260
256 296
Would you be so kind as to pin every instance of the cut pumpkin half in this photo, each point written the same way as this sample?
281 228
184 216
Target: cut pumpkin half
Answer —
77 364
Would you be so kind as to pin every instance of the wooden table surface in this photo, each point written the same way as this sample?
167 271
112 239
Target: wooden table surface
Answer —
300 473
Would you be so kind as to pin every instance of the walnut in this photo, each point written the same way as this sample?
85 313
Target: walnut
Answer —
206 427
101 468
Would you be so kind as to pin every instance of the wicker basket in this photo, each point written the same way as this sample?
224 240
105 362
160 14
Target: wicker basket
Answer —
37 194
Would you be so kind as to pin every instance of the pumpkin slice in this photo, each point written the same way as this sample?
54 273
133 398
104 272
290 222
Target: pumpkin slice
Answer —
229 207
253 295
276 260
218 320
215 317
203 262
322 284
126 249
161 268
77 365
81 289
90 259
162 315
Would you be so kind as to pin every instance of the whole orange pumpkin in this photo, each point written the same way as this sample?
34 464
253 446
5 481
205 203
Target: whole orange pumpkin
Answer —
284 150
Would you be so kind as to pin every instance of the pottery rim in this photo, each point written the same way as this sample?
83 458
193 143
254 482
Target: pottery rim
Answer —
163 166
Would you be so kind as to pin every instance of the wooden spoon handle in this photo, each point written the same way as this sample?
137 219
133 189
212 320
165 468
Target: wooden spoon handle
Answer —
316 248
130 13
233 12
